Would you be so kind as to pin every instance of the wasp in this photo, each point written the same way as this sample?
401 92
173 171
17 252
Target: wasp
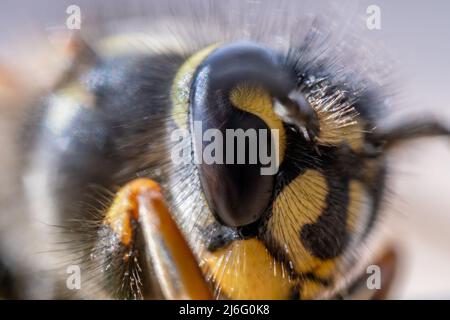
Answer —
99 167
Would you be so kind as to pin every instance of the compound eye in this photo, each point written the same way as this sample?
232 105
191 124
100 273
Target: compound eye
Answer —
238 139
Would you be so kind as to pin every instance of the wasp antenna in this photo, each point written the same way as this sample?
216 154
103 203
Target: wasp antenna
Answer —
390 136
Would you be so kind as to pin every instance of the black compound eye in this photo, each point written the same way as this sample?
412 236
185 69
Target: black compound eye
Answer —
231 106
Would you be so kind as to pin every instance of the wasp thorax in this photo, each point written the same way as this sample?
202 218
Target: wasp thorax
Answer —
238 139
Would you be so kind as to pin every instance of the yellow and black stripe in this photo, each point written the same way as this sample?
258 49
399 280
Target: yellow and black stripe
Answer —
324 199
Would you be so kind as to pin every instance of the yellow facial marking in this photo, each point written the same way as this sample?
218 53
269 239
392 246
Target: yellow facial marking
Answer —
246 270
300 203
351 134
182 85
325 269
257 101
310 289
339 126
